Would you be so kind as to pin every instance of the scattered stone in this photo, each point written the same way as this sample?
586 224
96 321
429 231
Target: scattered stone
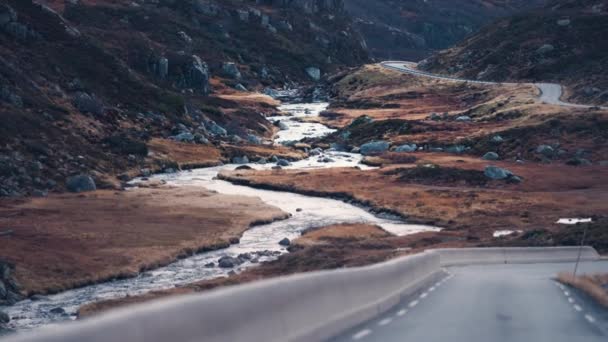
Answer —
81 183
37 298
435 117
244 167
299 210
227 262
456 149
240 160
497 139
231 70
283 162
497 173
326 160
184 137
240 87
314 73
545 150
315 152
4 318
254 139
374 147
210 265
463 118
490 156
361 120
285 242
245 256
546 48
563 22
407 148
86 103
57 311
216 129
578 162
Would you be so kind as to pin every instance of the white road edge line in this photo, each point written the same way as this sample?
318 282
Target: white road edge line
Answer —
361 334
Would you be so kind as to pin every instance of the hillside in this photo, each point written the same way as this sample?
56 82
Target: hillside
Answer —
564 42
86 85
411 30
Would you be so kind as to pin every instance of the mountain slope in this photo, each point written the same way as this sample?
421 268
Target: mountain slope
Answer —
564 42
412 29
86 85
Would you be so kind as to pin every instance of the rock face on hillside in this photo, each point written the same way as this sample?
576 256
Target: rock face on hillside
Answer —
85 85
412 29
565 42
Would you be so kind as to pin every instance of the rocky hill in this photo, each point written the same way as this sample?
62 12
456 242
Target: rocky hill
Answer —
85 85
564 42
412 29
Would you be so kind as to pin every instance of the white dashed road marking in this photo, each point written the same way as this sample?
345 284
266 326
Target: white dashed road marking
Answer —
571 300
413 303
422 296
401 312
385 321
577 308
361 334
590 318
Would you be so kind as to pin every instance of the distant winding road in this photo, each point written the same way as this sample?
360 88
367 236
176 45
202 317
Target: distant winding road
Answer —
551 93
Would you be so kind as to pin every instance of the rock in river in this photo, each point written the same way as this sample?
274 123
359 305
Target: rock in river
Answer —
285 242
227 262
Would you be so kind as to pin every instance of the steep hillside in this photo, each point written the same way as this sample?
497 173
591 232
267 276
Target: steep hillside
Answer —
564 42
412 29
85 85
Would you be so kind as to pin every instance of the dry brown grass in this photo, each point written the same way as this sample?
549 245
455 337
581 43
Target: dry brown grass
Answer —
592 284
183 153
327 235
66 241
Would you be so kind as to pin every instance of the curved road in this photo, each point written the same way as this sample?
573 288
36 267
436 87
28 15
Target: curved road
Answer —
550 93
483 303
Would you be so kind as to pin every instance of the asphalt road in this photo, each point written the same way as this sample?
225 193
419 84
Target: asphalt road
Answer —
493 303
550 92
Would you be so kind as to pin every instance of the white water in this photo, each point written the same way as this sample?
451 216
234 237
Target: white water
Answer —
306 212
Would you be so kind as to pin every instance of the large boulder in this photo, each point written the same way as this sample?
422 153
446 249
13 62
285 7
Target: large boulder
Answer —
184 137
216 129
227 262
81 183
374 147
4 318
285 242
197 76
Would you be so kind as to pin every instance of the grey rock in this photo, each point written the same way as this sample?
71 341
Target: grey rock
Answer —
240 87
283 162
497 173
463 118
563 22
274 159
435 117
491 156
231 70
456 149
314 73
57 311
283 126
3 290
579 162
7 14
285 242
210 265
86 103
497 139
545 150
163 68
254 139
546 48
240 160
197 76
36 298
407 148
361 120
185 37
315 152
4 318
81 183
374 147
216 129
184 137
227 262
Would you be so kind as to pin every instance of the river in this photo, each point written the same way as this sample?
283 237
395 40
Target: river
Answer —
262 242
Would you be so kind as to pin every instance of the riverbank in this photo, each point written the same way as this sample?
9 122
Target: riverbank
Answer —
330 247
67 241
